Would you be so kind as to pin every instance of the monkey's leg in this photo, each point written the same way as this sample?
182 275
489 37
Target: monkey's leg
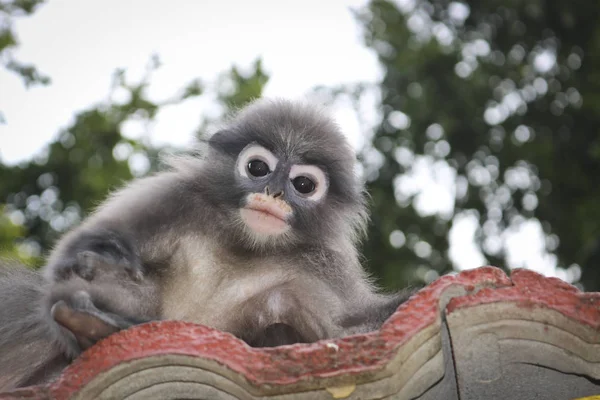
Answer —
373 314
277 334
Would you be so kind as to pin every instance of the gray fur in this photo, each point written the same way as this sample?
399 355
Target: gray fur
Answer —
171 246
28 352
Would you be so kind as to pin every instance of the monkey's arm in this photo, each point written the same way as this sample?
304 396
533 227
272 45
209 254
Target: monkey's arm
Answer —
363 307
370 316
101 267
127 230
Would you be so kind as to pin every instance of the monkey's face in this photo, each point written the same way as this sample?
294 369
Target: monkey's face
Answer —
275 188
283 174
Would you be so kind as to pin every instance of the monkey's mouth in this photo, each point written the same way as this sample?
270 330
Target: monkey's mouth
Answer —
264 218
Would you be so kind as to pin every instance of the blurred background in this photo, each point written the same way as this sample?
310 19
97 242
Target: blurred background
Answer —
477 123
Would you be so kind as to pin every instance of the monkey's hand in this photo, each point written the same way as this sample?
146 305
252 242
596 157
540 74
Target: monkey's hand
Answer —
79 313
86 323
88 253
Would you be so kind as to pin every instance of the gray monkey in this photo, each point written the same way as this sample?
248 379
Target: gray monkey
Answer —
256 235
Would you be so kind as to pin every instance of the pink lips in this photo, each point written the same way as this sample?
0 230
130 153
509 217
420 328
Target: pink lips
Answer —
265 215
269 209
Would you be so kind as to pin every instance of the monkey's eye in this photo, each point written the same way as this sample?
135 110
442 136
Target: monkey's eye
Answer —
309 181
258 168
255 162
303 184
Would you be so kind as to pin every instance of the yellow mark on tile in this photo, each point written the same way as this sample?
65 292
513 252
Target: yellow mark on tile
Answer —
341 392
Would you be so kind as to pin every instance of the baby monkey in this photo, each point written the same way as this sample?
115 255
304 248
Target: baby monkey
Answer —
255 235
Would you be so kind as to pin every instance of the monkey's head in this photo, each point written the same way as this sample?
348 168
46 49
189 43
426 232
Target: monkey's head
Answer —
283 173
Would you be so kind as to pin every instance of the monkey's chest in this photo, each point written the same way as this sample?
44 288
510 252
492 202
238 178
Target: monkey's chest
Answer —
212 291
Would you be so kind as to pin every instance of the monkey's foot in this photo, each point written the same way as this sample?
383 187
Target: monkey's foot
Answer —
475 335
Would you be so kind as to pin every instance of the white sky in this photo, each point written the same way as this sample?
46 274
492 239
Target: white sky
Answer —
302 43
80 43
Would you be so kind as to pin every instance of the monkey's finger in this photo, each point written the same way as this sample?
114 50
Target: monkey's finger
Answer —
86 327
82 301
135 271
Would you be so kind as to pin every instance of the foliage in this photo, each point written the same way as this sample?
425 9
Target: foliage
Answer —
8 40
237 88
497 103
9 231
499 99
47 195
234 89
52 192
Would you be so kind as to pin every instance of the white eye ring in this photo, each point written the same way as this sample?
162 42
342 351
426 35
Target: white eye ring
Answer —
253 152
316 175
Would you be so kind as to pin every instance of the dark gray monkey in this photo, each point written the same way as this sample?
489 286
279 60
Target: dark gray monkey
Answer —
255 235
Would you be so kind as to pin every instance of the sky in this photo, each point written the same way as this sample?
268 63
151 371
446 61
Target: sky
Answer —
80 43
303 44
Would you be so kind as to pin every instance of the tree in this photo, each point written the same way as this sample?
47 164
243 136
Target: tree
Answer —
47 195
496 102
9 231
10 9
500 100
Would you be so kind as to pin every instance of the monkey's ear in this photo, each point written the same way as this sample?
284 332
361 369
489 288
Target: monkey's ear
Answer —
88 326
228 141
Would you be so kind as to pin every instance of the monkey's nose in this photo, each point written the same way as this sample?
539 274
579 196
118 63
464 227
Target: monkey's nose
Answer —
274 195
